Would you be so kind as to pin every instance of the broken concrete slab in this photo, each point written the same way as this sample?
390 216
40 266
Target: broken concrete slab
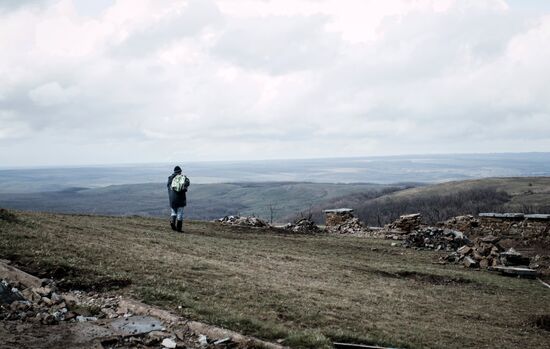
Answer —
136 325
135 307
11 273
502 215
469 262
516 271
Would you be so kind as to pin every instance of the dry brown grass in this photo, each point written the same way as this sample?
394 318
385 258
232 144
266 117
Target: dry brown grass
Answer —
307 289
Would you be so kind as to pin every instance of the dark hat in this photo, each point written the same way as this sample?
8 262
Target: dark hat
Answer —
177 169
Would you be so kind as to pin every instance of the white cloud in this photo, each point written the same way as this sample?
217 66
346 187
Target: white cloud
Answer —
145 80
51 94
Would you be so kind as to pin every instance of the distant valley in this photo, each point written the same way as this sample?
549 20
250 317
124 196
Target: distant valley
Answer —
378 188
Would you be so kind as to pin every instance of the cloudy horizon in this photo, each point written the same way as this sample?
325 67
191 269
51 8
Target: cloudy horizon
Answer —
143 81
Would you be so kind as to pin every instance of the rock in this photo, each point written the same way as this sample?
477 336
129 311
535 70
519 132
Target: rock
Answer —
222 341
46 301
203 340
303 226
469 262
513 258
243 221
20 305
484 263
155 337
169 343
464 250
81 318
69 315
9 294
44 291
56 299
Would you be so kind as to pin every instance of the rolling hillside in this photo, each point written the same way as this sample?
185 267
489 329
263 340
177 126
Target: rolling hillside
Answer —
441 201
205 201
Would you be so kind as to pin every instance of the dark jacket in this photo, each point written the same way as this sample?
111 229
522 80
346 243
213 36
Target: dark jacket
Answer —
177 199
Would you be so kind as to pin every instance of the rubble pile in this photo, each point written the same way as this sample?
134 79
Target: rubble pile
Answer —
486 252
242 221
45 305
406 223
350 226
337 217
342 221
435 238
303 226
466 223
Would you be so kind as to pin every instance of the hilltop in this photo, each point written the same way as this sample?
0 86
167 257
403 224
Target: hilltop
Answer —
308 290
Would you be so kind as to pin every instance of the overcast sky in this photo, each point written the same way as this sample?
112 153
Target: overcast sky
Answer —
130 81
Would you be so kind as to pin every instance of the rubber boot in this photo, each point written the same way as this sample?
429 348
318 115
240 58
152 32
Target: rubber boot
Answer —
173 222
179 225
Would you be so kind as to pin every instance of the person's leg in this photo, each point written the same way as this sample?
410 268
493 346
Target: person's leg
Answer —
179 223
173 216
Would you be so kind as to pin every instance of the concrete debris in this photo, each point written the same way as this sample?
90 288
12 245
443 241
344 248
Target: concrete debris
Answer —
350 226
406 223
436 239
116 326
303 226
512 257
342 221
9 294
242 221
169 343
203 340
516 271
461 223
487 253
336 217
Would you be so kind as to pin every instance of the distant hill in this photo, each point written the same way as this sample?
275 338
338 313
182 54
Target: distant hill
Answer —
441 201
375 204
205 201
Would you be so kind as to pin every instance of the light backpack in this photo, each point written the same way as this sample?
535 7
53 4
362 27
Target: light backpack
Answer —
179 183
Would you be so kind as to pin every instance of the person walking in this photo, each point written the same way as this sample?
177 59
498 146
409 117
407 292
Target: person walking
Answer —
177 189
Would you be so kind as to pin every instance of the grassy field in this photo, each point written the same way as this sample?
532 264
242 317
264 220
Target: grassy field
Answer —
309 290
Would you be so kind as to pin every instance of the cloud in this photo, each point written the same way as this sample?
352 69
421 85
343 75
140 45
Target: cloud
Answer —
10 5
51 94
145 80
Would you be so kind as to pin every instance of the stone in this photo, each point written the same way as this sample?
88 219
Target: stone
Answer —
169 343
222 341
44 291
7 293
469 262
484 263
46 301
56 298
203 340
490 239
464 250
155 337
